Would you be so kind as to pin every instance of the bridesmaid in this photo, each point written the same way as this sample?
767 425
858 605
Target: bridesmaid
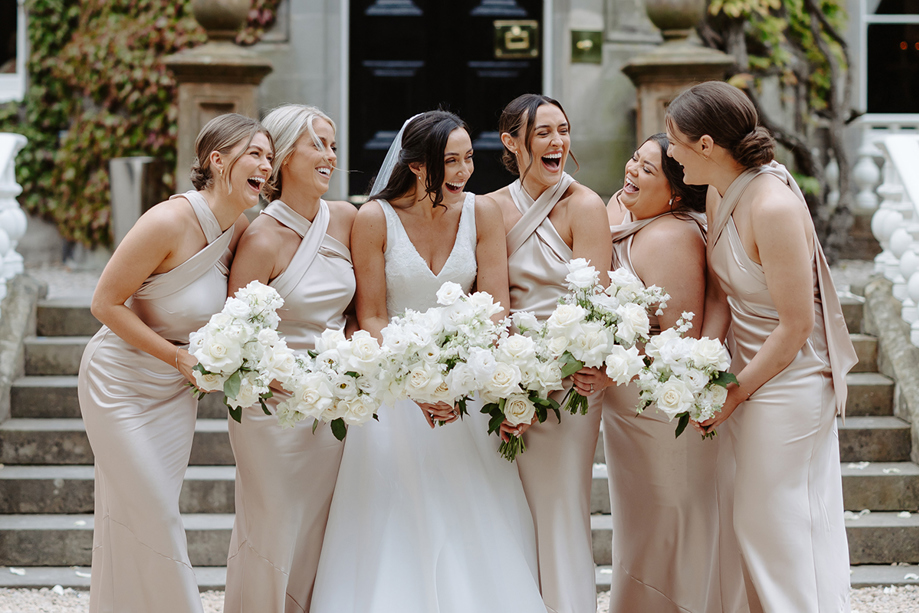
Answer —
773 292
550 219
166 278
300 245
665 542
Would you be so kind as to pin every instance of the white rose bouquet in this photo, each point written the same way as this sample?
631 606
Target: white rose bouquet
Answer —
590 322
339 383
515 378
429 352
239 350
686 377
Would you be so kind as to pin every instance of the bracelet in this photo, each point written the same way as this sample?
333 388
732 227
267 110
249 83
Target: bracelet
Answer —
177 358
744 391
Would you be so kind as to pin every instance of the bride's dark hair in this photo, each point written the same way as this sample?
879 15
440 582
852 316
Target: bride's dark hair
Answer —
423 142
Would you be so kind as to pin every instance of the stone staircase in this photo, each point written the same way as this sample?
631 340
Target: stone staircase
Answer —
879 480
46 479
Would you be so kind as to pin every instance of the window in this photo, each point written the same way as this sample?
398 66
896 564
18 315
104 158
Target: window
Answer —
890 56
12 50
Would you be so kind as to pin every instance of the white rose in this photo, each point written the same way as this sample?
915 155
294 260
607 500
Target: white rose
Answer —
517 348
557 345
277 363
237 308
525 320
456 316
365 352
484 304
313 394
566 321
518 409
267 336
462 380
673 397
582 277
449 293
359 410
287 417
482 362
633 322
550 376
709 353
196 340
219 354
652 349
210 382
395 340
335 410
345 387
249 391
329 339
421 382
621 277
695 379
623 364
504 381
591 346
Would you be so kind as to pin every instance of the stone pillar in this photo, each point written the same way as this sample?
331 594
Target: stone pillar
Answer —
12 219
675 65
216 78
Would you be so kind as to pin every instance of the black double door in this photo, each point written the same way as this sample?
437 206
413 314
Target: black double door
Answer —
409 56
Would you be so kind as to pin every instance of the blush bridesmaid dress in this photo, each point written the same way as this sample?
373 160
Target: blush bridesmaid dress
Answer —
556 469
787 504
140 420
664 496
285 478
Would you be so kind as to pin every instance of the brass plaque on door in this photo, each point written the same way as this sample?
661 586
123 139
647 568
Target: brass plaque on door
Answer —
516 39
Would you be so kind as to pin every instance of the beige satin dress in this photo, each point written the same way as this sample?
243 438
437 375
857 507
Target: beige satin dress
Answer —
787 503
285 478
556 469
140 419
663 496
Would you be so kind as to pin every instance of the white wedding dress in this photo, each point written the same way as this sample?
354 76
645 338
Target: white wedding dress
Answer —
422 520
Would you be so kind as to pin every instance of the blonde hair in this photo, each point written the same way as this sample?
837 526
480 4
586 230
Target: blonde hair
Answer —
287 124
222 134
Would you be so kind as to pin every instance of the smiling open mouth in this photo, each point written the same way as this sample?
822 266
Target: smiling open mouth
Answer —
552 161
629 187
325 171
256 183
454 187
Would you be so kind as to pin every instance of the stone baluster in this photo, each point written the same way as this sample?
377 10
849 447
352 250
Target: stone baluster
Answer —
886 220
909 268
12 219
831 172
866 173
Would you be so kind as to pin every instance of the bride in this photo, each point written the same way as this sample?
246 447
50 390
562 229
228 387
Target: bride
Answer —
425 519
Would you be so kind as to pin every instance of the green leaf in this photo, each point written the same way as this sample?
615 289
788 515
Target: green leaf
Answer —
261 402
231 385
315 425
494 424
339 429
684 421
236 414
569 364
724 378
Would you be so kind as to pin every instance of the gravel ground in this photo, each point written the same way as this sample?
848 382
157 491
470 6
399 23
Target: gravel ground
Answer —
866 600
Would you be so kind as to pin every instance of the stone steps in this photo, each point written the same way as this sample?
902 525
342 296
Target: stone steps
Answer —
54 355
866 575
56 397
69 489
874 538
879 486
77 577
65 317
64 441
867 349
67 540
874 439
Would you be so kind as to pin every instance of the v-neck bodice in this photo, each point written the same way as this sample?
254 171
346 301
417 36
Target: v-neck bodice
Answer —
410 283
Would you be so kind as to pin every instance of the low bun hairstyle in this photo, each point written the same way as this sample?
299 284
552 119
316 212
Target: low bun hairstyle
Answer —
287 124
728 116
691 197
222 134
519 110
423 142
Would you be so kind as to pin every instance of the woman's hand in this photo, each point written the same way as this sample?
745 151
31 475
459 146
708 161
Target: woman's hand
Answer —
736 395
441 412
507 430
185 363
589 381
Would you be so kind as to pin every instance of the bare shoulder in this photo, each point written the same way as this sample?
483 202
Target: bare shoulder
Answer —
371 212
502 197
582 197
668 234
344 209
487 210
263 236
772 200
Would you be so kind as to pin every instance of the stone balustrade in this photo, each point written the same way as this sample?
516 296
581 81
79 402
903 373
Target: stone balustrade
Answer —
12 219
867 174
895 224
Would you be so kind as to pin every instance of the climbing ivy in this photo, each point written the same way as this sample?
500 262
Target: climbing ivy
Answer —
98 89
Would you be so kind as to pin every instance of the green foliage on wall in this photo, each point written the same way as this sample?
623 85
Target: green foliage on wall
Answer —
98 89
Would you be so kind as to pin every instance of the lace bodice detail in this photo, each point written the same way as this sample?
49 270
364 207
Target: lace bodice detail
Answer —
410 284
